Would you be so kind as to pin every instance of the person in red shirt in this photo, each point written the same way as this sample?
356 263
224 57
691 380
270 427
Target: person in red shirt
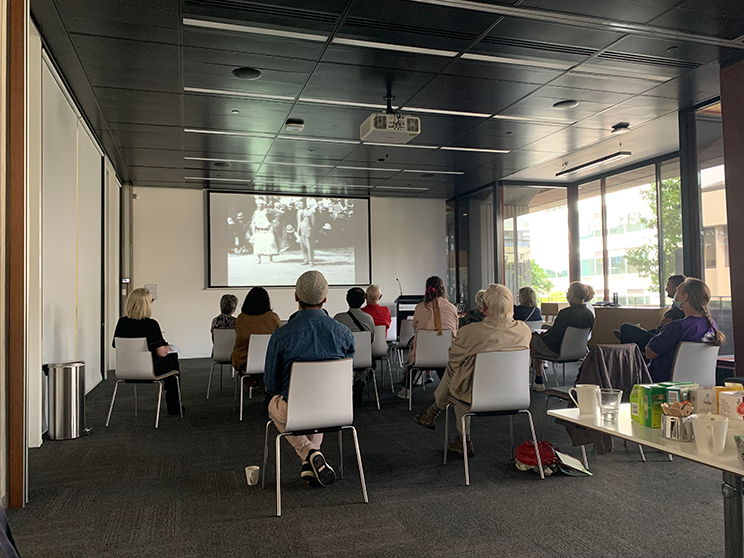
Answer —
380 314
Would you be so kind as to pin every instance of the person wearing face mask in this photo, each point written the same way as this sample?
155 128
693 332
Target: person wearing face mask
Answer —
549 343
697 326
632 333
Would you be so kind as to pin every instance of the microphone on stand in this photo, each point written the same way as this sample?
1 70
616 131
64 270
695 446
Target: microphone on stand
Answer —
400 287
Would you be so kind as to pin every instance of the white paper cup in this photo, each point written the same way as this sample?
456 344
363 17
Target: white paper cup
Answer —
251 474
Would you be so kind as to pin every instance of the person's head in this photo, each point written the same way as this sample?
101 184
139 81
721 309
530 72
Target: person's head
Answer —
256 302
576 293
260 203
228 304
355 297
138 305
672 283
589 293
373 295
311 290
479 301
527 297
434 289
499 302
693 296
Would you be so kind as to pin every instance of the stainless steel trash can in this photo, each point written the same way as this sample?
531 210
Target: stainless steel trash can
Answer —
66 400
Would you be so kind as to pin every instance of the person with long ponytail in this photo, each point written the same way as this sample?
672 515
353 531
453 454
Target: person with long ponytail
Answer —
698 326
435 313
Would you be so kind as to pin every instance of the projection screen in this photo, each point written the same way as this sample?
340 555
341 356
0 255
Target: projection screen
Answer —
269 241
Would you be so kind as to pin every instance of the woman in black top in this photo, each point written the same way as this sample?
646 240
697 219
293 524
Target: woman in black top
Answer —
527 310
137 322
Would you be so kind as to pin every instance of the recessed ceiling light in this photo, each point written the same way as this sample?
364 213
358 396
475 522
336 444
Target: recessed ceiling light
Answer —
235 111
508 133
567 104
246 73
311 150
294 125
476 149
673 48
621 128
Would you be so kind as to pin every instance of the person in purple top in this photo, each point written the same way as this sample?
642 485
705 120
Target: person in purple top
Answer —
697 326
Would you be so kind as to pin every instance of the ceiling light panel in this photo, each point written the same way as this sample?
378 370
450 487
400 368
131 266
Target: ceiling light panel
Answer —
595 163
398 48
370 169
228 133
233 93
433 172
445 112
214 160
514 61
342 103
216 179
321 140
402 188
394 146
475 149
233 27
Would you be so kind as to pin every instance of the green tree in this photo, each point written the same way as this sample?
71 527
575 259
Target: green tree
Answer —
537 279
645 259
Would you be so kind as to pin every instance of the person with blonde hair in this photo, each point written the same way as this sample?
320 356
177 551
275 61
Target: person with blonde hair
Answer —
499 331
476 314
435 313
526 310
697 326
380 314
137 322
548 344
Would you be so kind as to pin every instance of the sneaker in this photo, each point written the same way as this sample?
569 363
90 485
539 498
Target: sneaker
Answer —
419 381
538 387
307 474
456 446
618 335
403 393
322 470
427 418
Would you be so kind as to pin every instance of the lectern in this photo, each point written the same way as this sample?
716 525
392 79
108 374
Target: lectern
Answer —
405 306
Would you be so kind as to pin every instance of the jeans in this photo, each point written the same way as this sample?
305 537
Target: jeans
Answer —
631 333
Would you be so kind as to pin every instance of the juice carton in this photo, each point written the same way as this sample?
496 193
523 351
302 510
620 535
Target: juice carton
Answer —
723 389
679 391
703 400
650 398
635 403
731 405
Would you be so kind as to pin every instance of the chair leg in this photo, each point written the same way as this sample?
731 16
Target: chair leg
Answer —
209 383
220 377
160 396
446 432
278 478
390 372
511 434
178 386
242 391
236 377
545 417
534 441
640 451
583 454
410 386
135 399
374 383
340 455
266 455
113 398
359 462
464 439
669 455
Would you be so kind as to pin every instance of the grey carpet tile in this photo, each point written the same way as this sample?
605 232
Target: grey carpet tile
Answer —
180 491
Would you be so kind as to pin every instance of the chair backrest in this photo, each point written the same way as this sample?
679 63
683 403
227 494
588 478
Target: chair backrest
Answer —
695 362
501 381
393 329
133 360
224 341
573 346
535 325
379 345
320 395
406 332
257 345
432 350
362 349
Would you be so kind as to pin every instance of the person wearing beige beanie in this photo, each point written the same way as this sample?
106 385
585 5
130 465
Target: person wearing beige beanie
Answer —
311 336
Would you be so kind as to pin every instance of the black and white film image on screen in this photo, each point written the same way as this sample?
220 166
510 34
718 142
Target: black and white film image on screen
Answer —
271 240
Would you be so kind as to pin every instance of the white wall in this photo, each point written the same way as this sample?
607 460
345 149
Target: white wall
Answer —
407 237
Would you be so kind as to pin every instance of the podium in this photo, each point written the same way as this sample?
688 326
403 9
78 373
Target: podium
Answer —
405 306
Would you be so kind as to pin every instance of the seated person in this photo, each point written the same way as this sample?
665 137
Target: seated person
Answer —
226 320
435 313
357 320
693 296
312 336
476 314
137 322
255 317
499 331
549 343
632 333
527 310
380 314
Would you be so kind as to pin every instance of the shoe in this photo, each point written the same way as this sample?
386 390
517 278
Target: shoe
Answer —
308 475
429 378
323 472
538 387
456 446
420 380
427 418
403 393
617 334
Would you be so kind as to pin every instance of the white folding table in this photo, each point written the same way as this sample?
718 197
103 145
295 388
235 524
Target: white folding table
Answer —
624 427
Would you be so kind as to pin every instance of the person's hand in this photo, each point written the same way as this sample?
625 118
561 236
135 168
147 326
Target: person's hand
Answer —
162 351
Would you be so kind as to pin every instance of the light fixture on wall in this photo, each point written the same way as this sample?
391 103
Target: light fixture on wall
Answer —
595 163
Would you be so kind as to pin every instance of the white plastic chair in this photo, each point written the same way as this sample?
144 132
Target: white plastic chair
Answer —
432 353
573 349
224 341
257 345
695 362
380 352
406 334
535 325
319 401
501 386
134 366
363 358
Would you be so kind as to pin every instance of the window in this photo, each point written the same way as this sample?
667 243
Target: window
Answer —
709 250
590 242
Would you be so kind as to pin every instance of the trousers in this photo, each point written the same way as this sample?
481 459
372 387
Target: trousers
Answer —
441 396
301 444
631 333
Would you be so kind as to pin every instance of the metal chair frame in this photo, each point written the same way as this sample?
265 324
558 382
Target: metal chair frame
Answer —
218 357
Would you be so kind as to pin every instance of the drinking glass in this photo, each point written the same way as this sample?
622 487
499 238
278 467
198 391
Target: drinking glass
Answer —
609 403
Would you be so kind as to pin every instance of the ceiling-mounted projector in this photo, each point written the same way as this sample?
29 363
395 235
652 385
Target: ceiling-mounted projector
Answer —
389 127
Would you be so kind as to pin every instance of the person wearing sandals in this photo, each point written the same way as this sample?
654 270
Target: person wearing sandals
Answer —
499 331
311 337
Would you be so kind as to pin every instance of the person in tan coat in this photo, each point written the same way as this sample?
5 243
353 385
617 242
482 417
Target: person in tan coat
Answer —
255 317
499 331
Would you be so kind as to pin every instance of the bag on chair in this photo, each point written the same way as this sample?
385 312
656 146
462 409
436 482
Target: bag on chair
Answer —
527 460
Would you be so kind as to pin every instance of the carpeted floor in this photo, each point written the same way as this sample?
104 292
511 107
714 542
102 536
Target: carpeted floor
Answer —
180 491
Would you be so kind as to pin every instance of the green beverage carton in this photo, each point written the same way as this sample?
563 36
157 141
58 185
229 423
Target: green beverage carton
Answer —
651 398
678 391
635 403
